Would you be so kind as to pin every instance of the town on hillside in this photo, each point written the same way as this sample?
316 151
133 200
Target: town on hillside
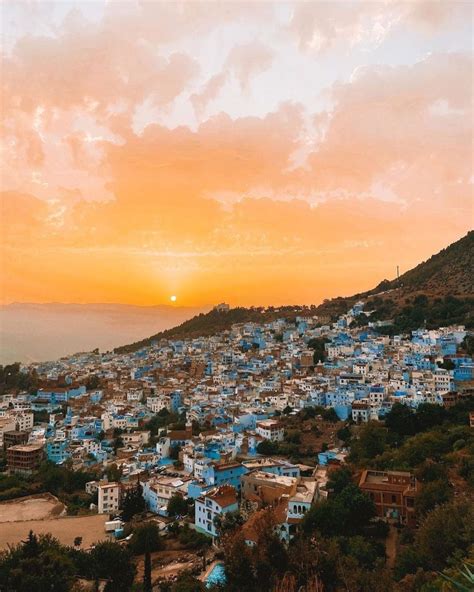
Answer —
279 430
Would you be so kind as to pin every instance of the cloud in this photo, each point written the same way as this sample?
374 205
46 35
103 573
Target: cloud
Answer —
243 62
291 204
320 26
387 128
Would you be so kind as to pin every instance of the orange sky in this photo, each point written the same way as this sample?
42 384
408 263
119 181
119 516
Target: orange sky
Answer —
280 154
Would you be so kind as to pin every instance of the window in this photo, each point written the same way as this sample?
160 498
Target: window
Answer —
394 499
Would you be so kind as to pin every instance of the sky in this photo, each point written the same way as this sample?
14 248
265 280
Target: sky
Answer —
250 152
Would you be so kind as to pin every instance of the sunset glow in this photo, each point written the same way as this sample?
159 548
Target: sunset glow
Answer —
264 154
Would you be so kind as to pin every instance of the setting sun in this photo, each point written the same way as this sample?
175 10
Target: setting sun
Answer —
173 298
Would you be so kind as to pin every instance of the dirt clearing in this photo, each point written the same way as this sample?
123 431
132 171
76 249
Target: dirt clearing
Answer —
33 507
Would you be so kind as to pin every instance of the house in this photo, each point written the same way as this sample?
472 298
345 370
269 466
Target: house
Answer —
287 512
224 474
109 498
360 411
214 503
273 465
158 491
57 450
270 429
180 437
266 488
393 493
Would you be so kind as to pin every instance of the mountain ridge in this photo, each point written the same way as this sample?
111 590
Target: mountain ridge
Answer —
448 273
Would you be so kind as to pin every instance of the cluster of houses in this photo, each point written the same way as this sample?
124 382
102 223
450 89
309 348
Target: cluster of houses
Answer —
228 391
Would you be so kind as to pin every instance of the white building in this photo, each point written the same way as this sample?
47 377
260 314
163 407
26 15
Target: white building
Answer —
270 429
215 502
108 498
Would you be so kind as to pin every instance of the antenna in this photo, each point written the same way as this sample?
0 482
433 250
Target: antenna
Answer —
398 273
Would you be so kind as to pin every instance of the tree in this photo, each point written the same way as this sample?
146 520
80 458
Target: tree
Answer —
39 563
93 382
345 435
188 583
133 503
113 472
432 494
145 540
174 452
177 505
317 344
447 364
118 443
228 522
267 447
113 562
371 442
330 415
339 480
238 564
401 420
468 344
346 513
428 416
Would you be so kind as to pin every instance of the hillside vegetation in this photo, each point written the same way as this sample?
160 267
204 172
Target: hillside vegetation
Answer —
451 271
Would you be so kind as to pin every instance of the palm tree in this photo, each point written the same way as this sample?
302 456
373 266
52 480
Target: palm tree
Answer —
467 574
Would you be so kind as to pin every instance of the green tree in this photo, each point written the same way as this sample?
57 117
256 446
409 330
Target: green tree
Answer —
345 435
446 532
319 351
113 562
432 494
370 442
228 522
177 505
39 563
188 583
133 503
401 420
428 416
267 447
330 415
93 382
113 472
238 564
338 480
145 540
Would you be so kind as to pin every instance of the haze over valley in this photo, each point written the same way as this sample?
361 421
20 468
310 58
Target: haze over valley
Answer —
39 332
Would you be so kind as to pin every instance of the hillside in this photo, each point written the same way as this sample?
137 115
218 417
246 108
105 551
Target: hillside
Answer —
451 271
446 279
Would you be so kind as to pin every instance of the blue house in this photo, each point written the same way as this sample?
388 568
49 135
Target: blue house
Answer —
57 451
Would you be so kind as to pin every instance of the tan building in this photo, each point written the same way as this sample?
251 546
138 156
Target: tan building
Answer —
24 459
13 438
7 424
267 488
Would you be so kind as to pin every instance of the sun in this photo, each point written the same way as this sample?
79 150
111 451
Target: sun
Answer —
173 298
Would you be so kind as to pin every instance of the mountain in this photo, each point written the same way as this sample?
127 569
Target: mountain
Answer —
40 332
446 279
451 271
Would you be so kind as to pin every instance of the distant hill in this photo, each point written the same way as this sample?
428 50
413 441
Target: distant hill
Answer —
447 280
